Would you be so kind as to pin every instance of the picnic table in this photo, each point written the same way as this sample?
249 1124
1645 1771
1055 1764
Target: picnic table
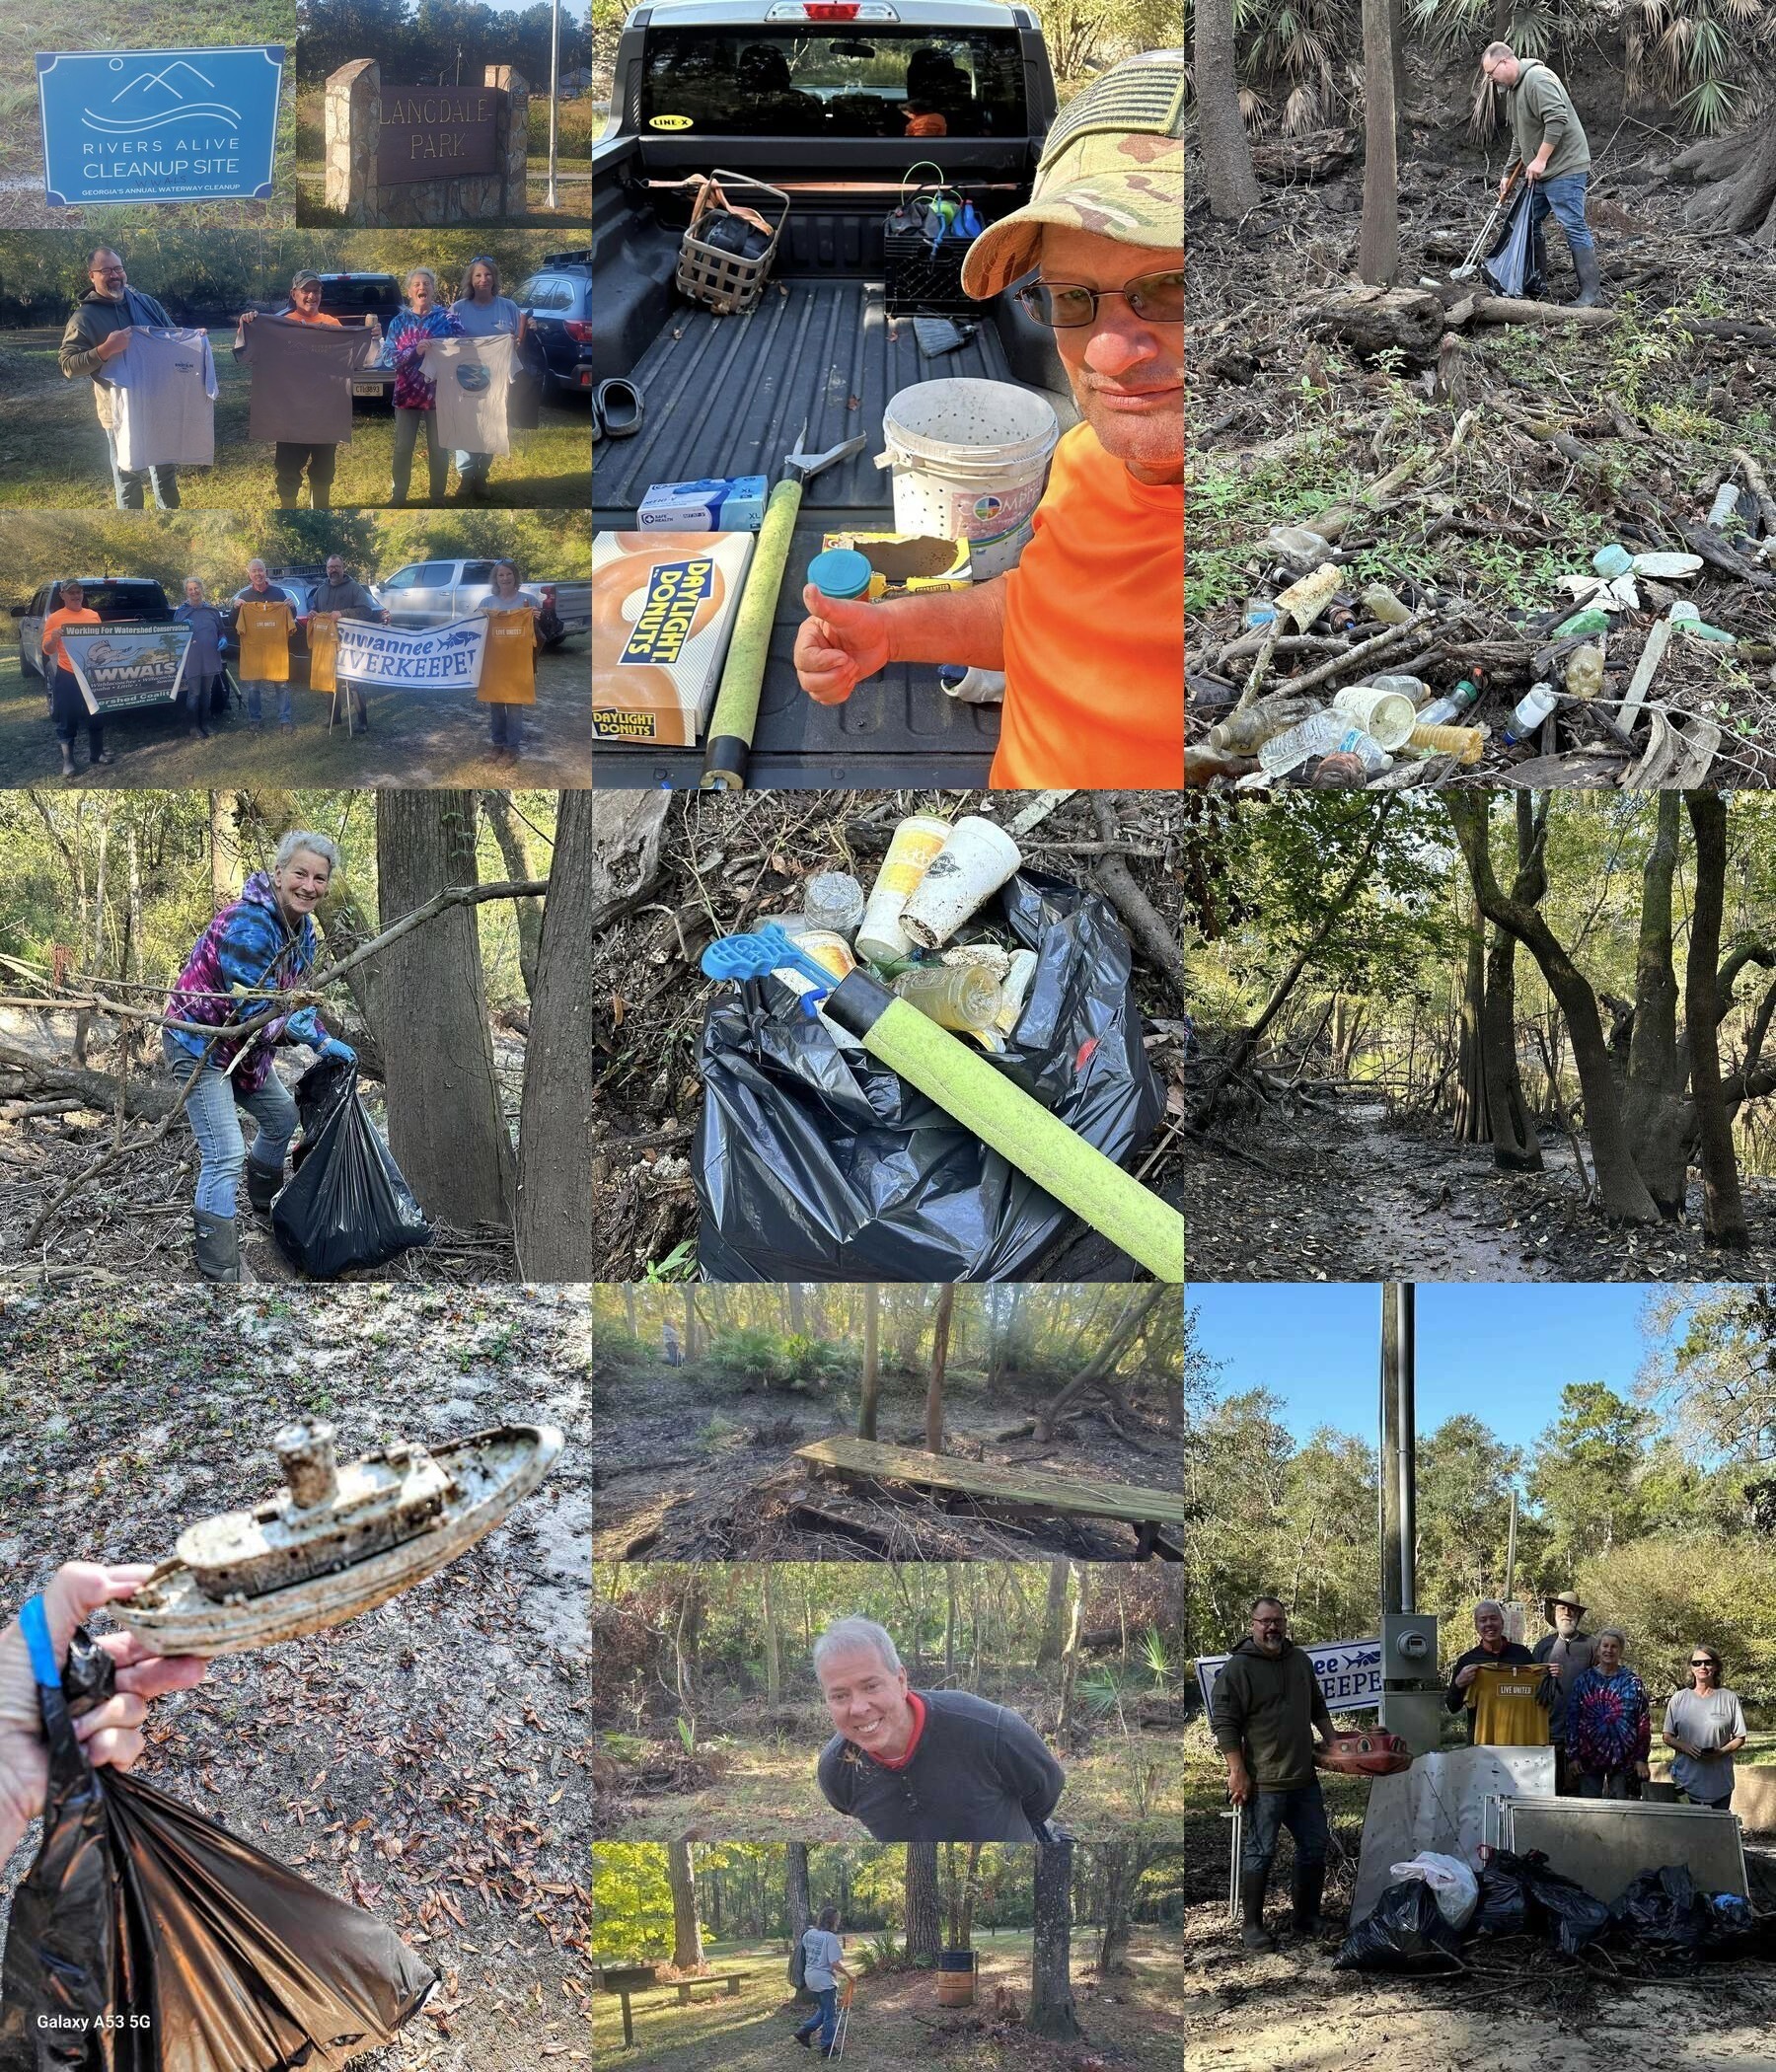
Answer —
682 1986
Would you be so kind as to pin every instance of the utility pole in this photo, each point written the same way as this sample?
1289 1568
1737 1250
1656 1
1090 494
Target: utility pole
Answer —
552 199
1410 1701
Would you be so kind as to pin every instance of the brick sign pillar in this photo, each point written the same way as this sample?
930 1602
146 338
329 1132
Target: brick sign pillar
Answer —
353 136
362 190
514 135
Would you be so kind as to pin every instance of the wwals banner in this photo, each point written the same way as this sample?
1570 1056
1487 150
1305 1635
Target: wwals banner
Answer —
129 662
434 658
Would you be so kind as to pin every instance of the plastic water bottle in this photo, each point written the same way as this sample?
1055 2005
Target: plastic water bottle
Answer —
1528 715
953 996
1380 602
1584 672
1325 734
1446 710
1244 733
1467 744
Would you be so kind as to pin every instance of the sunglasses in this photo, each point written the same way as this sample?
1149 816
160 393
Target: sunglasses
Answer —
1061 306
1701 1661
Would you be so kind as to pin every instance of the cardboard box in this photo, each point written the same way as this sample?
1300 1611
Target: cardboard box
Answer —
664 610
733 504
904 562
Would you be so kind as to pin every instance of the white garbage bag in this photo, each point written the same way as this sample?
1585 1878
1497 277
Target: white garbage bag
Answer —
1456 1888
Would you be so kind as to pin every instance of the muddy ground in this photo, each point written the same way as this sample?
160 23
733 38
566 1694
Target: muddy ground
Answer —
897 2025
720 863
1525 448
426 1760
1356 1190
695 1468
134 1221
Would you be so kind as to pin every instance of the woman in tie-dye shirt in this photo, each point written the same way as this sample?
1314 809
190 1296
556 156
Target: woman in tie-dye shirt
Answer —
415 393
1609 1723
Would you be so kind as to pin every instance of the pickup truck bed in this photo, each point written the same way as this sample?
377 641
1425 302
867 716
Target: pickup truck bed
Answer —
727 395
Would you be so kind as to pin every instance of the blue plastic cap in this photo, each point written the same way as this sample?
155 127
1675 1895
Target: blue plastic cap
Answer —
840 571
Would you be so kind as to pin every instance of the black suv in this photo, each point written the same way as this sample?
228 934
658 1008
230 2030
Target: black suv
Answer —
556 299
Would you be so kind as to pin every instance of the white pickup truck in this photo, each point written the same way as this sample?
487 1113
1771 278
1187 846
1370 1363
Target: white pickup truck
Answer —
433 593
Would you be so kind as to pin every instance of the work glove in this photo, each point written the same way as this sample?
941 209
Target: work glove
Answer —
332 1047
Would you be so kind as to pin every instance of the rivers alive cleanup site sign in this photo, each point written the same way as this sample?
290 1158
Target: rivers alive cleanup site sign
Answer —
437 134
159 125
131 662
1348 1672
435 658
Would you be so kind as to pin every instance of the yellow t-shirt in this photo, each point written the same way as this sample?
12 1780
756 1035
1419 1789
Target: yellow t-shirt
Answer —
264 625
1507 1708
323 651
509 665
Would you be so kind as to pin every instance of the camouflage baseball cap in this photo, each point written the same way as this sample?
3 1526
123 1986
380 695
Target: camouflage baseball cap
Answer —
1113 164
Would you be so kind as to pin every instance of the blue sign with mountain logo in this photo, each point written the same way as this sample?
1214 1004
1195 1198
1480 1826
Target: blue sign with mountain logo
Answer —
159 125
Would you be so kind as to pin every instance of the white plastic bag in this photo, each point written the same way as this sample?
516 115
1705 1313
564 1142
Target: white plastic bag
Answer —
1456 1888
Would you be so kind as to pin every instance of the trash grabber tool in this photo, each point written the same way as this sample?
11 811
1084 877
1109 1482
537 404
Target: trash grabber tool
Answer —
736 712
965 1085
841 2029
1477 250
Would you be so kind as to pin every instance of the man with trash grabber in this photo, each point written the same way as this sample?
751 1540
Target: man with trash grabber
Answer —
1553 155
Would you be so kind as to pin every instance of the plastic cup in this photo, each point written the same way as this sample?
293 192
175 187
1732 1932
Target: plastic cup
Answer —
916 845
1385 716
833 899
975 860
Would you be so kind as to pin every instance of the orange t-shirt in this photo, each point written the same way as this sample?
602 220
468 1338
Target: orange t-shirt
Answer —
509 663
294 316
53 622
1094 632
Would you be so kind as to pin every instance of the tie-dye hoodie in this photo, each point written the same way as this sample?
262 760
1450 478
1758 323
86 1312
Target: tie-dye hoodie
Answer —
246 944
414 389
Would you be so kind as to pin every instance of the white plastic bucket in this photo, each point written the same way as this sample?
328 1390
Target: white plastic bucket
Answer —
970 459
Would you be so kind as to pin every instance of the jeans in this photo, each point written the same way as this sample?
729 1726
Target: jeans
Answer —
1609 1784
1300 1809
254 690
210 1111
288 463
197 699
473 470
437 457
825 2017
68 713
1563 201
1719 1805
505 725
131 484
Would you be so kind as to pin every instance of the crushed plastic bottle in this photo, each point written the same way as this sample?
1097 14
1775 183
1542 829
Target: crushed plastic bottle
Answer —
1530 714
1584 672
1260 615
1244 733
953 996
1305 600
1590 621
1299 546
1323 734
1412 686
1725 503
1380 602
1467 744
1442 712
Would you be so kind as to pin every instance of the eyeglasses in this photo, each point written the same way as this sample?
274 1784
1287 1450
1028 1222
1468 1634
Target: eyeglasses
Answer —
1701 1661
1158 297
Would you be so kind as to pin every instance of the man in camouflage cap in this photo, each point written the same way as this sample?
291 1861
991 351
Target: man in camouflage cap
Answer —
1088 627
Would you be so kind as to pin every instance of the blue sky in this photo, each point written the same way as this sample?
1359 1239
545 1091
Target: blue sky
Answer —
1501 1352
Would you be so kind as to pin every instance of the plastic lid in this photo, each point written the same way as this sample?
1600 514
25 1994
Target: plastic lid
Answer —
840 571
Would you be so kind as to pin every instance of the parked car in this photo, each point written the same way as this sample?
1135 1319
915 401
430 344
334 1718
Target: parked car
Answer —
556 299
356 298
113 597
433 593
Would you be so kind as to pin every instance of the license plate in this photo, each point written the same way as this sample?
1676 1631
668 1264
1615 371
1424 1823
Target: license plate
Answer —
367 388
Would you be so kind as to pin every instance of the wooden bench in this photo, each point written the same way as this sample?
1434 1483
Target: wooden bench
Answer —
728 1980
1023 1492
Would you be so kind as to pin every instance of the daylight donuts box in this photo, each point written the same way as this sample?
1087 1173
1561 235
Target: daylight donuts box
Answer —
664 611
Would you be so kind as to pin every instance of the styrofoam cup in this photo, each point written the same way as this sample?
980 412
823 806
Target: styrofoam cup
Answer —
972 865
916 845
1384 715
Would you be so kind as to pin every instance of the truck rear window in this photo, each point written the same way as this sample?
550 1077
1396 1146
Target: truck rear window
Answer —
784 81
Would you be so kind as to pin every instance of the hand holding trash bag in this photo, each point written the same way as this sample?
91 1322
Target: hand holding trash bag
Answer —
112 1733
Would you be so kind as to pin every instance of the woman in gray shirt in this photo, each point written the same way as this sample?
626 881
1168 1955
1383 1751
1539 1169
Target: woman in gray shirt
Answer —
203 690
1705 1725
483 312
820 1972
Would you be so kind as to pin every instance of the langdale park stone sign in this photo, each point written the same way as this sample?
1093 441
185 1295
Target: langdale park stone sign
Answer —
400 155
437 132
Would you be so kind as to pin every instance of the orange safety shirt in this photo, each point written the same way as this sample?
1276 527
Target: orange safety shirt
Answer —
54 650
1094 632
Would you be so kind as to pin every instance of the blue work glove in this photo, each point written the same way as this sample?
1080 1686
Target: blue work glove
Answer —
333 1048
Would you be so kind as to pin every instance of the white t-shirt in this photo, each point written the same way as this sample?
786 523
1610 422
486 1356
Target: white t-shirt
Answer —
164 386
1705 1720
472 376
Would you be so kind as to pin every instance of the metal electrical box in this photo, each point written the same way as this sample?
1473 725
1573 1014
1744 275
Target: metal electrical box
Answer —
1411 1686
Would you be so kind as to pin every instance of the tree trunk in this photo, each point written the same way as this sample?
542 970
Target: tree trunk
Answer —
924 1924
1722 1210
1741 196
798 1309
1622 1191
555 1133
1054 1617
801 1913
446 1128
528 913
1097 1372
1052 2011
629 1309
1226 149
873 1359
690 1324
1069 1660
1467 1102
687 1931
1378 242
224 847
1121 1864
1516 1145
1653 1106
773 1678
933 1416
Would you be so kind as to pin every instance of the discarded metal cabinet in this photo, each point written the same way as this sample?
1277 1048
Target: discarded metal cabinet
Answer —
1604 1844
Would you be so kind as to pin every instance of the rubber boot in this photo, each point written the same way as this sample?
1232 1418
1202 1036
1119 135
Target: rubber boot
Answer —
1253 1934
1309 1885
67 768
218 1246
263 1183
1590 281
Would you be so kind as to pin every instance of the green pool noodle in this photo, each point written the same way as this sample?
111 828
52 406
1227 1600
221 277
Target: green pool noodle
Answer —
736 712
1023 1131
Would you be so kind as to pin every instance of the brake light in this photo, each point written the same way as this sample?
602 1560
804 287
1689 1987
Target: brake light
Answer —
578 330
830 10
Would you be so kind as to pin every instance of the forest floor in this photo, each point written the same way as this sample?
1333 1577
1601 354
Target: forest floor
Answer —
426 1760
1357 1191
752 1778
134 1221
1527 448
695 1468
897 2024
413 740
719 864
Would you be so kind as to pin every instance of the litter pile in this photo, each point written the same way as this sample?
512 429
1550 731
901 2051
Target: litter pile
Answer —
1407 686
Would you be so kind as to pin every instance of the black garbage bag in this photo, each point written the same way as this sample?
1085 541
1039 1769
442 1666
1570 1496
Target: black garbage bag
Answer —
1507 265
1407 1932
814 1162
1522 1896
1663 1907
1503 1907
345 1203
147 1939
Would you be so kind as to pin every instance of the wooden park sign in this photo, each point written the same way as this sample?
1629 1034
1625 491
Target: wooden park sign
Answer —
432 132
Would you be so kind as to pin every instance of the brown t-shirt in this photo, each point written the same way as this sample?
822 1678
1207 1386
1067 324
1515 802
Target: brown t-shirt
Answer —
302 379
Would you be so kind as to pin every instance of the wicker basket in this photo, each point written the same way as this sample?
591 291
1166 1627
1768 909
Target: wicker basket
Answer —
721 281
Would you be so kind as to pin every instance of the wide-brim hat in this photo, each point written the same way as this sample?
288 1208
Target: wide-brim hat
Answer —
1113 164
1568 1598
